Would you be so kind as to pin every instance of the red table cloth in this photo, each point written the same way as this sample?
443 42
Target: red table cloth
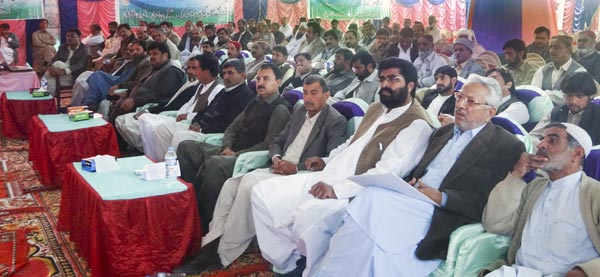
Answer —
17 114
132 237
50 152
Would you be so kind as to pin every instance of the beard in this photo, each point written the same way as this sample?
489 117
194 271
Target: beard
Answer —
555 162
395 98
442 90
585 51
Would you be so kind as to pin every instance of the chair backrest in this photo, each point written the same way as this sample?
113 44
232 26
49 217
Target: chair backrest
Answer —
252 85
535 59
247 56
293 96
490 58
220 53
460 82
592 163
269 57
353 109
515 129
538 104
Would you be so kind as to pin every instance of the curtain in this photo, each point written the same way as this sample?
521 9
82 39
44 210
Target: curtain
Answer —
538 13
451 15
578 18
255 9
491 14
591 10
67 10
95 11
30 27
238 10
293 12
18 27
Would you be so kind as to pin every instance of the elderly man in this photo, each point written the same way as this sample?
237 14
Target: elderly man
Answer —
259 51
296 40
285 28
391 138
264 35
578 91
440 101
314 129
553 220
405 48
432 29
351 41
366 85
561 65
43 47
214 119
587 55
515 54
540 43
168 27
341 76
510 107
243 36
186 41
427 62
156 86
8 45
70 61
313 44
209 166
461 165
190 99
160 35
465 65
331 45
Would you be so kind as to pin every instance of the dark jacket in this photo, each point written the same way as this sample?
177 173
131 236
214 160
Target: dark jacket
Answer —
394 51
590 119
446 108
78 62
222 110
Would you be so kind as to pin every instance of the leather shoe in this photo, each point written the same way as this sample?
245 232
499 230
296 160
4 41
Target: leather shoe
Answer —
200 263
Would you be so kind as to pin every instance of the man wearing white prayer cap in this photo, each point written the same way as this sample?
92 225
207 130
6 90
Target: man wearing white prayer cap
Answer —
553 221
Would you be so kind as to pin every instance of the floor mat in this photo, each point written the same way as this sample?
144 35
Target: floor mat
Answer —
18 165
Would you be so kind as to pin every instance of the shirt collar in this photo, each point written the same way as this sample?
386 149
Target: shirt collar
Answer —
270 98
565 66
371 78
314 118
569 180
504 99
234 87
471 133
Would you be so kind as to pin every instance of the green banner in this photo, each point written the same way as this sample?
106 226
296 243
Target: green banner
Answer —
349 9
21 9
209 11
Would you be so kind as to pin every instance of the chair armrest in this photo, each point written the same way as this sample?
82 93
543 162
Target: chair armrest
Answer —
172 114
480 251
457 238
214 139
249 161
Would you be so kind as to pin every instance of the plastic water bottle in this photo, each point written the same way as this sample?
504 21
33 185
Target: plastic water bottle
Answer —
44 83
163 274
171 163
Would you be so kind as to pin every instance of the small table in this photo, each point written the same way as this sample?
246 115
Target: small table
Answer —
54 141
19 81
17 110
125 226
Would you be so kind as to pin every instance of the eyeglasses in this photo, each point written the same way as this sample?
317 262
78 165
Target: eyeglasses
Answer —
470 102
390 79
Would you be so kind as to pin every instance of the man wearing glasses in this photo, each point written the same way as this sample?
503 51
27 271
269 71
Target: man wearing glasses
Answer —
290 212
393 234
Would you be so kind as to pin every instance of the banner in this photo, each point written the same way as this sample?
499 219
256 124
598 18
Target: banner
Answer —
349 9
209 11
21 9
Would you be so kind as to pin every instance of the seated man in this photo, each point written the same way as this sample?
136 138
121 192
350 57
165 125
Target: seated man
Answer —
366 85
553 220
587 55
462 164
314 129
70 61
160 35
391 138
209 166
515 55
259 51
405 48
331 46
381 46
341 76
280 59
42 44
351 41
188 101
302 70
465 65
440 101
95 38
156 86
578 91
561 65
510 106
214 119
8 45
313 44
427 62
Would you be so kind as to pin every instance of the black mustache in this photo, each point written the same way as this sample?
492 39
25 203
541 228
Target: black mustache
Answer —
260 87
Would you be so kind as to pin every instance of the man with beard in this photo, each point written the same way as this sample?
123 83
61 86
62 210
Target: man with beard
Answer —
296 40
207 46
407 48
160 35
280 59
243 36
549 77
303 69
331 45
540 43
389 233
259 51
351 41
42 43
552 220
428 62
313 45
314 129
211 33
515 54
193 97
222 38
440 101
186 40
392 137
366 85
341 76
368 31
587 55
579 89
142 33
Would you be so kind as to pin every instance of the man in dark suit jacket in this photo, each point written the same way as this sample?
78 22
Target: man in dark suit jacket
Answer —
314 129
243 36
445 80
68 69
460 167
405 42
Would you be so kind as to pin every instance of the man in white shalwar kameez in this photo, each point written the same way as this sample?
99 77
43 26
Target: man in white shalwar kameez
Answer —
391 138
386 233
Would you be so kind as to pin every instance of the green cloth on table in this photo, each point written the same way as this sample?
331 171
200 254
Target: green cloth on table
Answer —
123 184
24 95
61 123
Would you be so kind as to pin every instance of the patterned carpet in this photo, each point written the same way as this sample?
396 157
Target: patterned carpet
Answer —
28 220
